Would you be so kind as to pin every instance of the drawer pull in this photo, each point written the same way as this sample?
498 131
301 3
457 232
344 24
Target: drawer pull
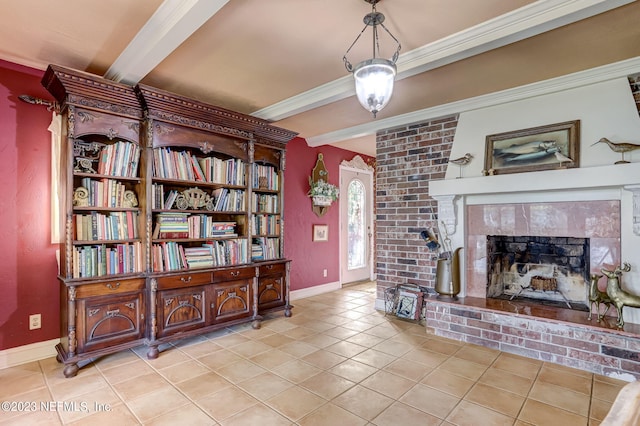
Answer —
113 286
235 273
186 280
113 313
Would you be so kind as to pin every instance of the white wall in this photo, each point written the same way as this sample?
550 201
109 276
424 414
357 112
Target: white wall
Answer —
605 109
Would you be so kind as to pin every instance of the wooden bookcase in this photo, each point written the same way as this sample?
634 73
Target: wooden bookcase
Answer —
172 217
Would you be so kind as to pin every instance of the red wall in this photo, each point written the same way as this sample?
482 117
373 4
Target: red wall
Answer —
28 268
310 258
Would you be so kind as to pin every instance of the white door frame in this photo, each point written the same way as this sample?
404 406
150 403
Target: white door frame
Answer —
357 165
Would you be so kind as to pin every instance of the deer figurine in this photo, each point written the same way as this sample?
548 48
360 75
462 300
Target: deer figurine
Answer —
597 297
618 296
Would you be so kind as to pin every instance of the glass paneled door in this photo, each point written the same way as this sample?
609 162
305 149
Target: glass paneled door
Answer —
356 206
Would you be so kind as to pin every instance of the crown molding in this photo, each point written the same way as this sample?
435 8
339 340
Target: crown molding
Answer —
528 21
554 85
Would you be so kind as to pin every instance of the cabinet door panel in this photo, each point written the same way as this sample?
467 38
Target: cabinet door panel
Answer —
180 310
270 292
231 300
106 321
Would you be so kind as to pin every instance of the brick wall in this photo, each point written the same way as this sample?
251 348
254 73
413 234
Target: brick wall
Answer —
408 158
577 346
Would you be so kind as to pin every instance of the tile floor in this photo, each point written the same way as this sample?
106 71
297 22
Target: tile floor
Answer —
336 361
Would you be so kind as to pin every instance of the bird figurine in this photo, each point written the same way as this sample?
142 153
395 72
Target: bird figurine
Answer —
621 147
562 158
462 161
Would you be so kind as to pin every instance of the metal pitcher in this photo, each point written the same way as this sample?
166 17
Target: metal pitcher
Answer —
448 276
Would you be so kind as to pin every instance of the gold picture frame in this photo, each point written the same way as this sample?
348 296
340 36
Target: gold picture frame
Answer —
320 233
547 147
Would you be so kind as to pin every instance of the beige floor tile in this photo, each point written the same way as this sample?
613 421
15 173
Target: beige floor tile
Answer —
327 385
76 386
471 353
320 340
156 403
35 396
204 348
272 358
495 399
168 358
467 413
519 366
565 379
224 404
250 348
366 340
276 339
183 371
363 402
203 385
44 418
240 371
599 409
441 347
570 370
346 349
358 325
318 326
297 348
220 359
353 370
140 385
374 358
16 384
330 414
388 384
265 385
414 371
430 400
395 347
508 381
323 359
295 402
538 413
560 397
606 391
448 382
426 357
258 414
116 415
340 332
296 371
383 331
135 368
230 340
464 368
401 414
187 414
117 359
85 405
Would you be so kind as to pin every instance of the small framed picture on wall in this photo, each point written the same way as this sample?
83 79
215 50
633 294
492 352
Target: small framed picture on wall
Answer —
320 233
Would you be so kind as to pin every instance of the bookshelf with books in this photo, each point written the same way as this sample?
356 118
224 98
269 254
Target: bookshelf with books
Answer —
208 204
102 201
163 201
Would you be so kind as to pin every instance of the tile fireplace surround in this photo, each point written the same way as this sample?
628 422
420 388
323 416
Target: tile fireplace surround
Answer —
577 205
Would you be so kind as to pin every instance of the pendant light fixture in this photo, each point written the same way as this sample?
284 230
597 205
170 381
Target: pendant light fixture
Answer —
374 77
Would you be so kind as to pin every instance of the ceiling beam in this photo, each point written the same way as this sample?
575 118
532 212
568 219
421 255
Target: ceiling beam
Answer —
528 21
171 24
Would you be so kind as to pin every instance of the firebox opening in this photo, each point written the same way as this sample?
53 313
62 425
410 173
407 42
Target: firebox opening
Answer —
552 271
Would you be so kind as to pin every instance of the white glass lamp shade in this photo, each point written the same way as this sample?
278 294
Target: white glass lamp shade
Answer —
374 83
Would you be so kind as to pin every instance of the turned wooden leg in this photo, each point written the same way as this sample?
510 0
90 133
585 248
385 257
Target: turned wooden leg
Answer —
287 311
71 370
256 324
153 352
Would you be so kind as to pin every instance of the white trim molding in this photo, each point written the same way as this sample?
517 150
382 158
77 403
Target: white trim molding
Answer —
315 290
28 353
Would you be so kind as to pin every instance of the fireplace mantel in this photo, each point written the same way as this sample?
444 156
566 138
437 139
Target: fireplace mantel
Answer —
600 177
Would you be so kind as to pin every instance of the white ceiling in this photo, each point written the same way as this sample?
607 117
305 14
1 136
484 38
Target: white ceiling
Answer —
282 59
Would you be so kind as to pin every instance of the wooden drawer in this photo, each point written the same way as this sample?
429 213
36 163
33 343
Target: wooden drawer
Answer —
234 274
184 280
230 300
272 269
180 310
109 287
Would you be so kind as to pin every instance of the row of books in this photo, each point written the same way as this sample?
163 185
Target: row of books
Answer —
264 203
119 159
172 256
217 170
265 225
263 248
113 226
184 165
104 192
99 260
185 225
228 200
269 175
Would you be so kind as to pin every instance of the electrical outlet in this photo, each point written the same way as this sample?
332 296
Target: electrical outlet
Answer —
324 273
35 321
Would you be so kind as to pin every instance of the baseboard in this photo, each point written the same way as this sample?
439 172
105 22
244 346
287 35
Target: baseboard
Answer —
28 353
315 290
